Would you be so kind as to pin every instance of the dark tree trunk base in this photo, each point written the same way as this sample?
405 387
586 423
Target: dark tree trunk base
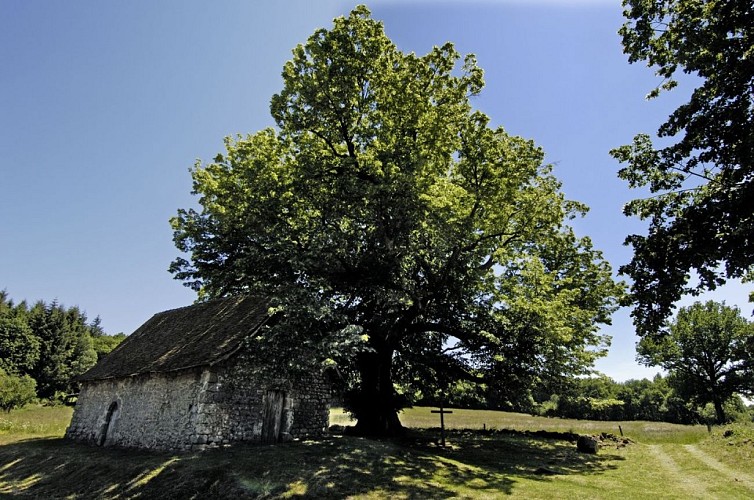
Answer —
385 425
374 403
720 412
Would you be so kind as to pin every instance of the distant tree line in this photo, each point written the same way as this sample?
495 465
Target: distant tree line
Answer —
662 399
707 350
43 348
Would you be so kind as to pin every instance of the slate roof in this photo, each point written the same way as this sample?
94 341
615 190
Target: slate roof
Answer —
198 335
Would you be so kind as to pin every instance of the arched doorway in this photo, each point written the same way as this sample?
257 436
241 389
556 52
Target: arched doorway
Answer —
104 431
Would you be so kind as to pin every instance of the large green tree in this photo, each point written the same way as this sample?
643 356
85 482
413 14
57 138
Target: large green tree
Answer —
65 347
403 241
707 354
701 215
19 347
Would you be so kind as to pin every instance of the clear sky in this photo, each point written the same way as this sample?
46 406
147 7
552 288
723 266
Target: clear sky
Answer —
105 105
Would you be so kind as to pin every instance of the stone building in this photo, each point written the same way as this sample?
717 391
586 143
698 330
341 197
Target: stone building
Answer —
183 381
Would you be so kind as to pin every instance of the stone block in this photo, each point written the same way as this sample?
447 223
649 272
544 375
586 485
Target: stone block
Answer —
588 444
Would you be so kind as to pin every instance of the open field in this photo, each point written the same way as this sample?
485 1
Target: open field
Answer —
34 421
665 462
645 432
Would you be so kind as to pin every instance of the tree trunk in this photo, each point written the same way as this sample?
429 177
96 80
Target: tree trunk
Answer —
375 405
719 411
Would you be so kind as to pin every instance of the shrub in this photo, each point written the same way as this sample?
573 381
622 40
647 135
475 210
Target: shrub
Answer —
16 391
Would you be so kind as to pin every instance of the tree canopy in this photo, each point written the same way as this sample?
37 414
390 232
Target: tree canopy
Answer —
702 183
404 241
707 354
19 347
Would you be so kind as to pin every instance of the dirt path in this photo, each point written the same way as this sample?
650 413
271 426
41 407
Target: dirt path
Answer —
738 476
690 484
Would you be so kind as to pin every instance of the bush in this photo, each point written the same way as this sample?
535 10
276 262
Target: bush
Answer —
589 408
16 391
548 408
735 411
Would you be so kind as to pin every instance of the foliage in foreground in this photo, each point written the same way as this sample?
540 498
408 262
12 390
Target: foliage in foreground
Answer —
701 217
401 237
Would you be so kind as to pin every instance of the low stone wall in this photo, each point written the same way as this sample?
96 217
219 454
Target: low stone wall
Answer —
195 409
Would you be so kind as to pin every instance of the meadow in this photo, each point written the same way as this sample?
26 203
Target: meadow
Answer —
488 455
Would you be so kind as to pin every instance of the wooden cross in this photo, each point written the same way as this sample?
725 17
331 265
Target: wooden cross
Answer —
442 423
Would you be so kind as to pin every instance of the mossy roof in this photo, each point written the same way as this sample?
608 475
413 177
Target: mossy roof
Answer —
198 335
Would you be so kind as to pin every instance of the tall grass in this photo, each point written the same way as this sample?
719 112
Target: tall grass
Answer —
35 420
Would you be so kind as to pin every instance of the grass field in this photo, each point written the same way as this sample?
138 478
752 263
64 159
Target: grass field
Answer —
645 432
665 461
34 421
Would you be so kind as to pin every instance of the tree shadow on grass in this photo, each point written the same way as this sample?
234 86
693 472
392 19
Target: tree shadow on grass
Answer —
475 464
57 468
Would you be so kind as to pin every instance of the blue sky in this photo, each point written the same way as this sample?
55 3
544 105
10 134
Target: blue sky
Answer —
104 106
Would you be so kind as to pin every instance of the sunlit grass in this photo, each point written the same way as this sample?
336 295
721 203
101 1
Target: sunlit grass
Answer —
35 420
148 475
19 486
645 432
733 444
474 464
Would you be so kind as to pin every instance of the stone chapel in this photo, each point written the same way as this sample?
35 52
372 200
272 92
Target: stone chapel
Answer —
183 381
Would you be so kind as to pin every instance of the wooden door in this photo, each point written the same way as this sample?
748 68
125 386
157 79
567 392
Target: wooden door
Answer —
274 403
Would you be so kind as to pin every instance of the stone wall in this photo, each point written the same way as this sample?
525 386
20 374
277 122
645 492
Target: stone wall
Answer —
152 411
195 409
310 408
233 403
